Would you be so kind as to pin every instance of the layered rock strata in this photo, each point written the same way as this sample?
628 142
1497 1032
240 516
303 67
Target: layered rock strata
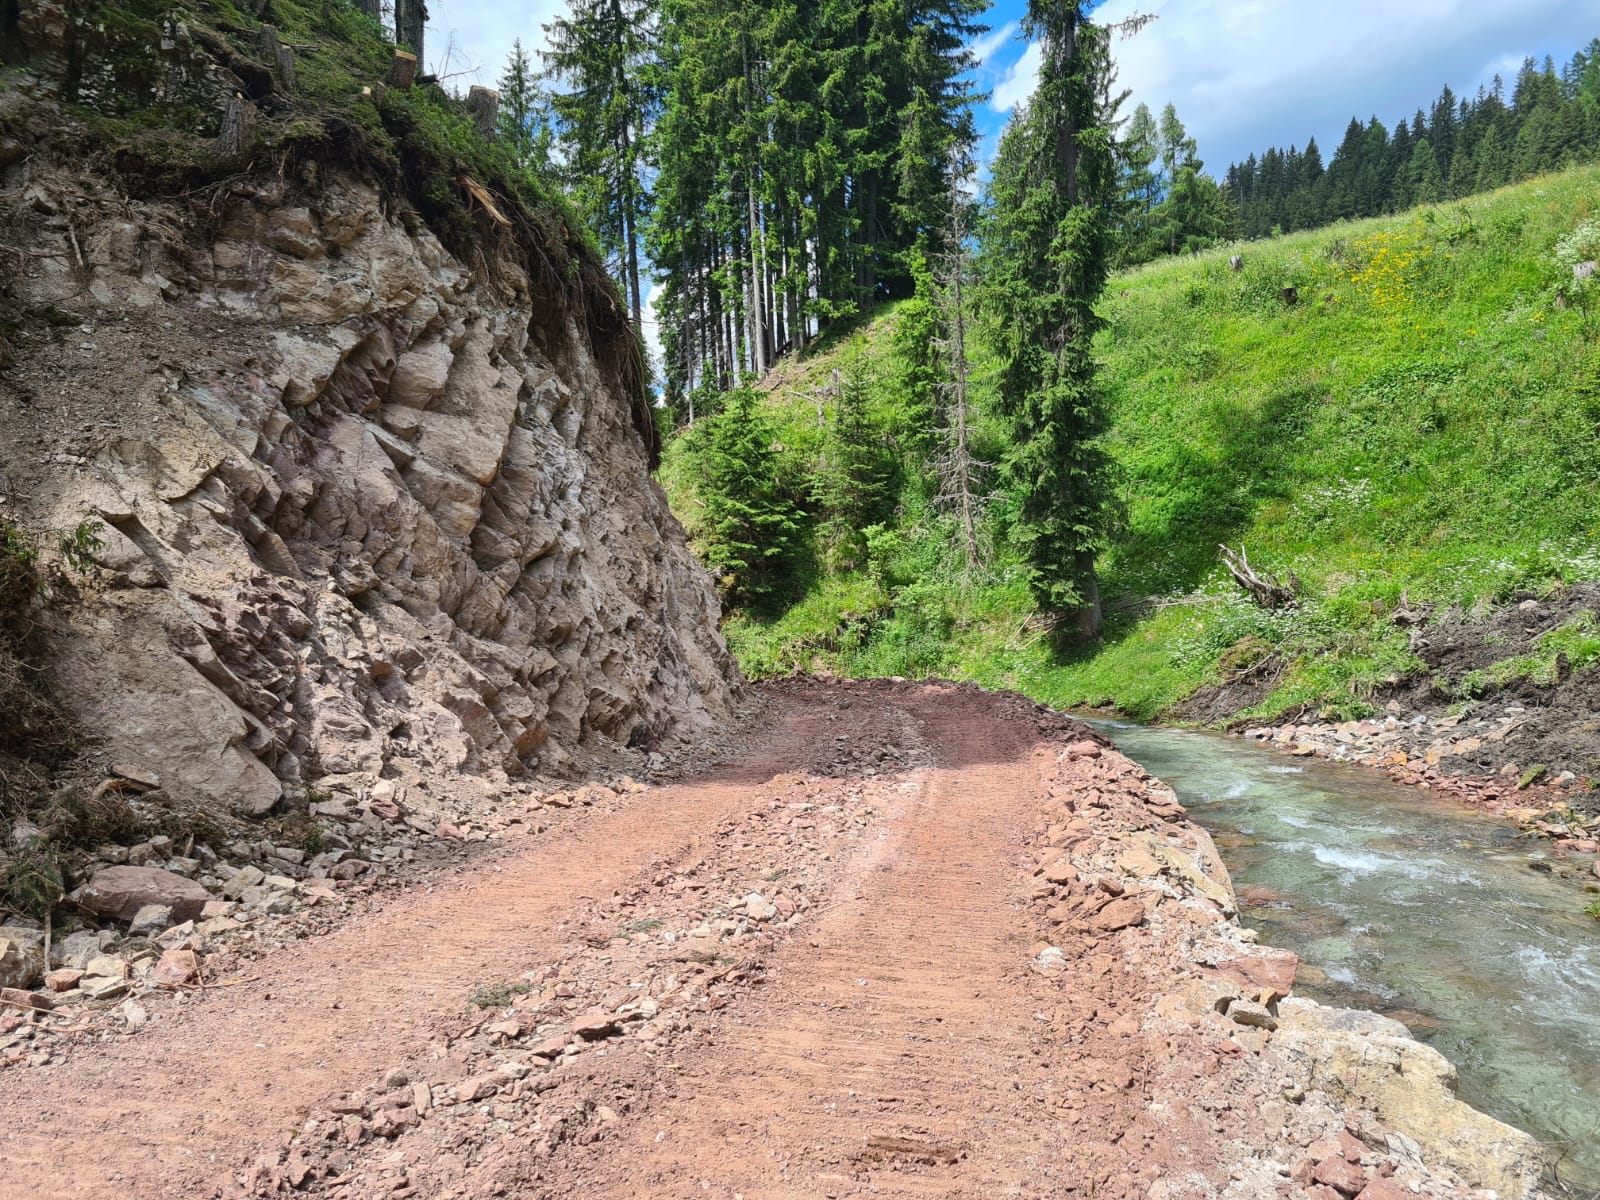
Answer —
353 504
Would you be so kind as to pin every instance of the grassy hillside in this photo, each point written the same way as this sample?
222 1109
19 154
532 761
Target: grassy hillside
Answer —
1424 422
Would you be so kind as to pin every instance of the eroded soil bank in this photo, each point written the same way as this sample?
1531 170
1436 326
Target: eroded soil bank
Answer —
909 940
1500 713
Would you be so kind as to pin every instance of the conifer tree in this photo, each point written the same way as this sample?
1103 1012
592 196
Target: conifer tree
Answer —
1137 154
1427 184
1046 258
523 123
854 484
754 528
602 51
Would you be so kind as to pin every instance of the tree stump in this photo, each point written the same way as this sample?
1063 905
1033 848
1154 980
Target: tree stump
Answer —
238 135
483 106
278 57
402 70
1265 588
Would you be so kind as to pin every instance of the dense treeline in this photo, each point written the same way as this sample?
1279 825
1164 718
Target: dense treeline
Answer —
778 164
1458 147
890 442
802 150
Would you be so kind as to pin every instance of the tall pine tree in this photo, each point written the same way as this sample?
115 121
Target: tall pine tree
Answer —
1047 254
602 51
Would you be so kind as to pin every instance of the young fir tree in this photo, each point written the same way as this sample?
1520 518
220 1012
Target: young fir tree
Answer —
753 527
854 484
524 119
1427 181
919 369
1046 260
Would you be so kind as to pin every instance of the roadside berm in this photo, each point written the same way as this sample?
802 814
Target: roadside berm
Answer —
906 940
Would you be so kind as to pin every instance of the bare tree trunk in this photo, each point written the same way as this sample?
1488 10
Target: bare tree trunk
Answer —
1089 616
758 355
963 449
410 16
957 467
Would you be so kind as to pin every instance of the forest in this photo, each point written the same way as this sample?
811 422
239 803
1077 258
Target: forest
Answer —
901 405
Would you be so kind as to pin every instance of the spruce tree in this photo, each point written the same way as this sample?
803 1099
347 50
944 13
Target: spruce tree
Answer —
523 123
1137 153
753 527
1046 260
854 484
603 51
1427 183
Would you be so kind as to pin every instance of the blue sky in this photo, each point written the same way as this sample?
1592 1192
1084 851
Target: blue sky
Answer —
1244 74
1247 74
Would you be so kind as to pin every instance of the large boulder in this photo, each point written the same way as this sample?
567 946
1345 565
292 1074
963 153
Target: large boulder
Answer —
1363 1059
120 892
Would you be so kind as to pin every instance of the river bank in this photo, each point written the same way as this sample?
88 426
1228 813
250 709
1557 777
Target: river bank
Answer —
1500 713
1406 903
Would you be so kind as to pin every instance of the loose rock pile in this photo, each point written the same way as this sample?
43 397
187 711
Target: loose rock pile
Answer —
160 925
1336 1103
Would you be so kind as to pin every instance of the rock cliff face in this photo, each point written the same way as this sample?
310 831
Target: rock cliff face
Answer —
359 503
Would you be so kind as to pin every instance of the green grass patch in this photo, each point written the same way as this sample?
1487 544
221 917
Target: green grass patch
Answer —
1422 424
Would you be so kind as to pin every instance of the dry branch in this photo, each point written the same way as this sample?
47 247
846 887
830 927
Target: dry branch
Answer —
1265 588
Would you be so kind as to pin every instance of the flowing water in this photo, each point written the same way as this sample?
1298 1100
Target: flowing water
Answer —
1417 907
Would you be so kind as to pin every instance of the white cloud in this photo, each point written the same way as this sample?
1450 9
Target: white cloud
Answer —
1017 84
983 48
477 36
1246 74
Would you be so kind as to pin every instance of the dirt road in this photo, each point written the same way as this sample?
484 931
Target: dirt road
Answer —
817 971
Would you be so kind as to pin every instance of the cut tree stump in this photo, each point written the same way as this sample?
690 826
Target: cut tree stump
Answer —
483 106
237 138
278 57
402 70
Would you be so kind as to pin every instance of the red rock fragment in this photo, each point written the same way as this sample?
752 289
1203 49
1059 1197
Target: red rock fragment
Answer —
1272 970
175 967
1383 1189
594 1026
120 892
1340 1174
1119 914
